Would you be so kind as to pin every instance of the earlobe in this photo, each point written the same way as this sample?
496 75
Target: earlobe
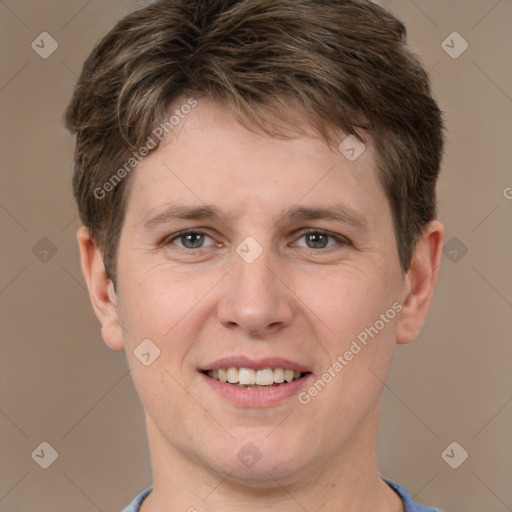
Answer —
101 291
420 281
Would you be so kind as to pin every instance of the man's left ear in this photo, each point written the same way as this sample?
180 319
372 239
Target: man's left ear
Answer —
101 290
420 281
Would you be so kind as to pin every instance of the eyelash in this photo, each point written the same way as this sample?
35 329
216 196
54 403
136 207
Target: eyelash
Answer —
341 240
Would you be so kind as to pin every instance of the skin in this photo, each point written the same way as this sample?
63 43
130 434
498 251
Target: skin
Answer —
297 300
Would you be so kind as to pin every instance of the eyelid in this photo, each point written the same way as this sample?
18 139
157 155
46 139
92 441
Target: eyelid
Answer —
196 231
341 240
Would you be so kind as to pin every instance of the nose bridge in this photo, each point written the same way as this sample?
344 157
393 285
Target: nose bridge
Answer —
255 299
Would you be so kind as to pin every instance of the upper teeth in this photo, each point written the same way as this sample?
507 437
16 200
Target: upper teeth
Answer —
248 376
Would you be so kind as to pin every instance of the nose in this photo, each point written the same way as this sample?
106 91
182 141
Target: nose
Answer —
255 297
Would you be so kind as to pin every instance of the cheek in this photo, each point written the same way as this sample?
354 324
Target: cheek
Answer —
356 325
167 309
356 321
159 304
347 302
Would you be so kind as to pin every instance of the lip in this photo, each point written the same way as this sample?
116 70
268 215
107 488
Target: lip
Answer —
256 398
255 364
263 397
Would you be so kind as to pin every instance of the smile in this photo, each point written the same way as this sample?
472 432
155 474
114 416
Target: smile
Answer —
250 378
253 383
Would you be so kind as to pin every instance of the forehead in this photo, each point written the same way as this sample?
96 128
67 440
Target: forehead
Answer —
211 159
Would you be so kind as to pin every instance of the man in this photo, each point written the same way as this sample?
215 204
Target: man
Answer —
256 182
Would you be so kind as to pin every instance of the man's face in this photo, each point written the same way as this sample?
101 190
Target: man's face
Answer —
268 283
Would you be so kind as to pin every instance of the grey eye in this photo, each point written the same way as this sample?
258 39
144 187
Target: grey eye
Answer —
190 240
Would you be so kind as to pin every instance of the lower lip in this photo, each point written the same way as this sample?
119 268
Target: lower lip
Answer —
263 397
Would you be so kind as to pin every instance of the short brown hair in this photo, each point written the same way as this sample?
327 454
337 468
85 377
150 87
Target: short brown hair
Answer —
344 62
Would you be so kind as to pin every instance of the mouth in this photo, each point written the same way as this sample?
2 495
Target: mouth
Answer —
249 378
249 383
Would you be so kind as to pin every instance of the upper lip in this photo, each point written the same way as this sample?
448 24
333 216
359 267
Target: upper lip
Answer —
255 364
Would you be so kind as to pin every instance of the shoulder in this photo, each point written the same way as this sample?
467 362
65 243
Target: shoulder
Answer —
137 501
409 504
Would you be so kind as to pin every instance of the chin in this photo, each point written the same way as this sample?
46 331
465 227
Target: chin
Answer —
255 467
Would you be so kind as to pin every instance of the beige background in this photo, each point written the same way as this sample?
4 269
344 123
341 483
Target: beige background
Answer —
60 383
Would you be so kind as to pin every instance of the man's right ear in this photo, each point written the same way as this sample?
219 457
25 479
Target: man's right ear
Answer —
101 290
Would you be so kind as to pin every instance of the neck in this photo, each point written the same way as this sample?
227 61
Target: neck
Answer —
349 479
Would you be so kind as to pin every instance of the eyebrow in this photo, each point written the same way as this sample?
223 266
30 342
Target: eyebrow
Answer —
338 212
174 211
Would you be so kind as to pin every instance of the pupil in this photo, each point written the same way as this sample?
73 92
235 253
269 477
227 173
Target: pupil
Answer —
315 237
189 238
